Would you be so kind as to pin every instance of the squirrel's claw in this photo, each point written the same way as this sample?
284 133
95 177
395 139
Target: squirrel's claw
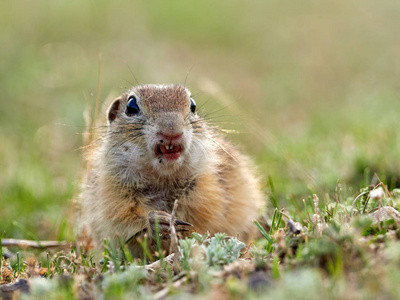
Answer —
180 222
159 221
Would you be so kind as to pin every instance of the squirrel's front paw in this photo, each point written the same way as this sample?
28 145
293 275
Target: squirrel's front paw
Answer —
159 223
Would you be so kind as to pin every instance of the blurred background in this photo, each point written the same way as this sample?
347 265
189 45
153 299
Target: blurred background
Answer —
312 88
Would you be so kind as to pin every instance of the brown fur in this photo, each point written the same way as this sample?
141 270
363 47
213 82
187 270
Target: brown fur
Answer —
215 184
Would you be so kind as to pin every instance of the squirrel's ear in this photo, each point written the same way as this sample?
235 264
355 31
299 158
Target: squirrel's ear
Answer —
113 110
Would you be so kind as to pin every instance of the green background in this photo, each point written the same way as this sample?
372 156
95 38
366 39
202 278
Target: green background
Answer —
312 88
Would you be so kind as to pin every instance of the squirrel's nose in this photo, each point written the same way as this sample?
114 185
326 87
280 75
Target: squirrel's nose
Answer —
169 137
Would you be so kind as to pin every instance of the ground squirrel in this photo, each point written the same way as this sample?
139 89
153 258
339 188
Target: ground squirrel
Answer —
155 149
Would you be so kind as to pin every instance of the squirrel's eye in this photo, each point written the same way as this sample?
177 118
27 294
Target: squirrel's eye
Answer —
192 105
132 108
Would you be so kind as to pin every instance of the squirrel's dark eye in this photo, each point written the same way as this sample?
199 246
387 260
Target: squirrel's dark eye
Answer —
132 108
192 105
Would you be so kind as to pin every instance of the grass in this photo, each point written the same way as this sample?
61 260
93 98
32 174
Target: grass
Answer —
312 88
337 252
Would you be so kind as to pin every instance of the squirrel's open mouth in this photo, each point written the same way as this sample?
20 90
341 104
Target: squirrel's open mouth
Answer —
169 152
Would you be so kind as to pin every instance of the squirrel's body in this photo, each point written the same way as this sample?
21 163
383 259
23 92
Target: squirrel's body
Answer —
155 150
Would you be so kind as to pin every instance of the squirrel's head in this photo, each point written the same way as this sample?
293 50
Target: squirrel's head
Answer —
156 128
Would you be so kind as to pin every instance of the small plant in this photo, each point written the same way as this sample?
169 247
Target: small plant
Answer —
217 251
222 250
275 224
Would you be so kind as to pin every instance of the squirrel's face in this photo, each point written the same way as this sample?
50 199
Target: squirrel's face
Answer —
152 127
